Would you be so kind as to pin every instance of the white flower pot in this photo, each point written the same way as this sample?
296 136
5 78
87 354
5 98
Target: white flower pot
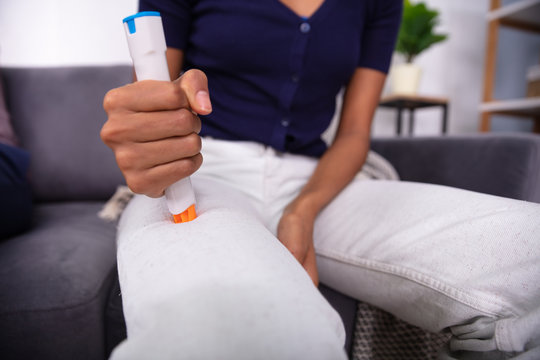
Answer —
405 79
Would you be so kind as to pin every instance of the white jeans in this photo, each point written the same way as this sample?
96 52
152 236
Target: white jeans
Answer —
223 287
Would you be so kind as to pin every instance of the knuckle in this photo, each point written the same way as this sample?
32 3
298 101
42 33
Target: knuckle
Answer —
111 100
136 184
189 165
196 162
193 121
196 74
184 118
174 94
191 78
185 122
124 159
110 132
142 185
186 167
106 133
194 143
197 124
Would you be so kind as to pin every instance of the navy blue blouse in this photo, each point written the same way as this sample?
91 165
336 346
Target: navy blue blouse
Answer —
273 75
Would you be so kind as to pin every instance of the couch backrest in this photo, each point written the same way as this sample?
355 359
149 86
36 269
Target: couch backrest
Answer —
57 114
499 164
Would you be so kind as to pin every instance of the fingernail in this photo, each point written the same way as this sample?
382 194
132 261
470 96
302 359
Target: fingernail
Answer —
203 100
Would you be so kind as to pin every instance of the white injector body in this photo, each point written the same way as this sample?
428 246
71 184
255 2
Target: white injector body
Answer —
146 42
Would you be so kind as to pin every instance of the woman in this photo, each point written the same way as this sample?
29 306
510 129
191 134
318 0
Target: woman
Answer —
223 286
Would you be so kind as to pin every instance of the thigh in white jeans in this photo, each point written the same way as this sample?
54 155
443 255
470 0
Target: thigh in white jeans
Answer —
223 286
439 258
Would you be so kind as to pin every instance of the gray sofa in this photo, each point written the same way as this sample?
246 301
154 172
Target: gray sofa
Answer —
59 293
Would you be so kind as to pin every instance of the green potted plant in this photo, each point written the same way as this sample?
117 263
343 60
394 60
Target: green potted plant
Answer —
416 35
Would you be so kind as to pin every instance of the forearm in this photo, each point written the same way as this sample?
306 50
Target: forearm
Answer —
336 168
346 156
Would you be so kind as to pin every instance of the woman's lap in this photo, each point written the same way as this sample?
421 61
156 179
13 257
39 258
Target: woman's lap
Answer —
435 256
221 286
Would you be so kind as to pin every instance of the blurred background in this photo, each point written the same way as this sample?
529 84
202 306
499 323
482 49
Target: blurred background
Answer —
89 32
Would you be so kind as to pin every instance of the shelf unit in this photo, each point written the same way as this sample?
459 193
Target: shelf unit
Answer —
523 15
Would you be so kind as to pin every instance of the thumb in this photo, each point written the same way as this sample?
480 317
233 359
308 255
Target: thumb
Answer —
194 83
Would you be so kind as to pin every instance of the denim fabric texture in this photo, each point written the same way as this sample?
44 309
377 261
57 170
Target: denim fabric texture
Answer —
437 257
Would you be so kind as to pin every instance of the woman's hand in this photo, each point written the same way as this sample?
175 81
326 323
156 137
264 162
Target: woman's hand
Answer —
153 128
295 231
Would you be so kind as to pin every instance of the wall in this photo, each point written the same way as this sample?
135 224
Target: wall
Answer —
64 32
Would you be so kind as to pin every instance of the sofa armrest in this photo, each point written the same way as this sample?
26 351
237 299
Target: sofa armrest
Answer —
499 164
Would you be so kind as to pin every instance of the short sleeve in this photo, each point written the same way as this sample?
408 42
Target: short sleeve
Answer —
176 17
380 34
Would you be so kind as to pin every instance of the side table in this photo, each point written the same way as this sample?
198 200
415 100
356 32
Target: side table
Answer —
411 103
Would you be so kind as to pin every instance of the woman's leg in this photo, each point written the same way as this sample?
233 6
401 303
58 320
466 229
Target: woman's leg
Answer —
439 258
219 287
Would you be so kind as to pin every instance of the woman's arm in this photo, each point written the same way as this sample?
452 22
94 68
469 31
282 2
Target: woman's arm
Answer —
336 168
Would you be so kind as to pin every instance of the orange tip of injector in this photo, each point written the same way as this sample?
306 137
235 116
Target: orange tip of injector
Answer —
188 215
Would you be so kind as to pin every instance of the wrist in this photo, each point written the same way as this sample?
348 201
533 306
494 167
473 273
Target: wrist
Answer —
304 206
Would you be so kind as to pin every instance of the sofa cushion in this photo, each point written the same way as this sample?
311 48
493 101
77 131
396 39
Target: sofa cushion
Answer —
55 283
57 114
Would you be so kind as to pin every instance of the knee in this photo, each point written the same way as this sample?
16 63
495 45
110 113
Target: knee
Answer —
231 321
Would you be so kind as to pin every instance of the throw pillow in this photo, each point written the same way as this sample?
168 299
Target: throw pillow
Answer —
15 192
7 136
